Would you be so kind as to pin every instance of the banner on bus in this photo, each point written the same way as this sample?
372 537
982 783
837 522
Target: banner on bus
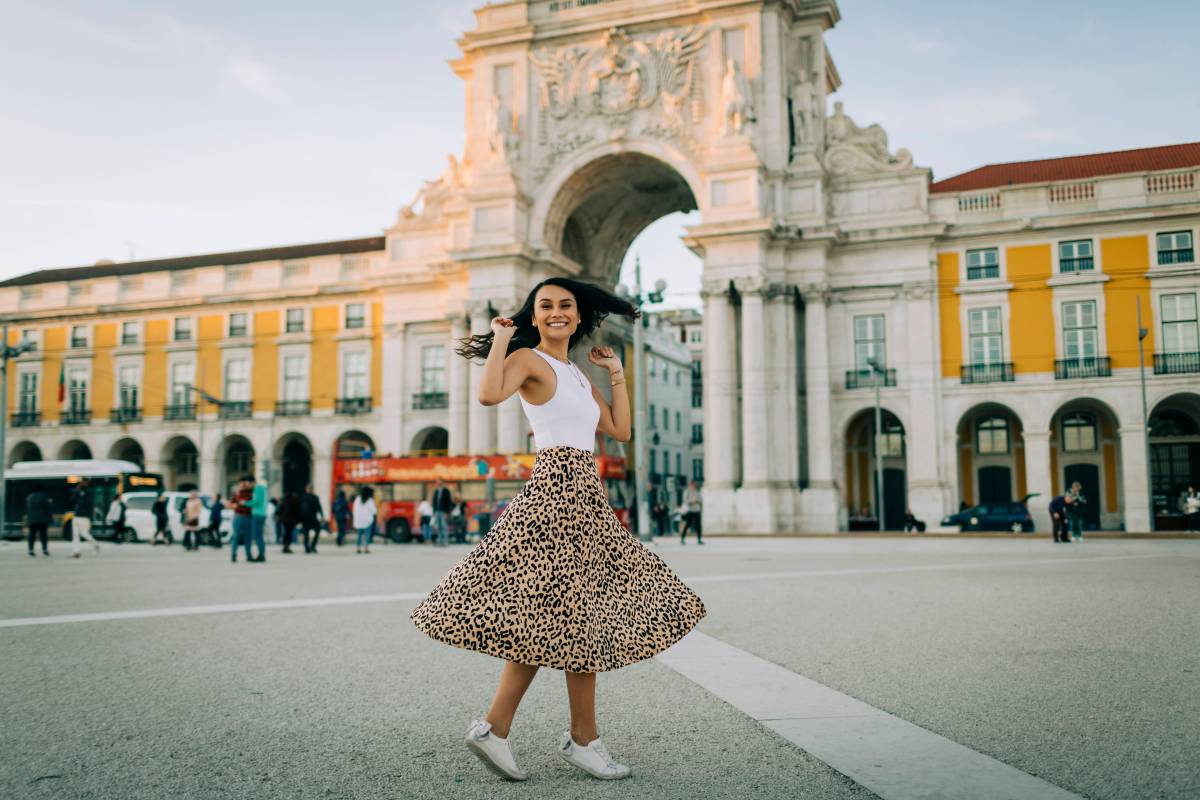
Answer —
517 467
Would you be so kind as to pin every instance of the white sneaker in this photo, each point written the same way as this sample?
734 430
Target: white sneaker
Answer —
593 759
493 751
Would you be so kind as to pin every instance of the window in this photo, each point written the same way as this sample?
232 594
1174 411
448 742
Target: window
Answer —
295 378
183 329
678 422
27 392
891 444
433 369
295 272
679 464
678 373
77 389
352 267
239 324
30 335
697 385
698 469
983 264
295 321
79 336
652 366
30 295
697 433
127 386
870 342
181 380
666 420
1075 256
129 332
987 342
1175 248
237 380
129 285
653 417
694 335
1179 323
653 460
1079 329
1079 433
356 315
354 374
666 373
991 436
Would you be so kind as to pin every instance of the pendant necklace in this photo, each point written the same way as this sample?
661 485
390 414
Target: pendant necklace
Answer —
574 370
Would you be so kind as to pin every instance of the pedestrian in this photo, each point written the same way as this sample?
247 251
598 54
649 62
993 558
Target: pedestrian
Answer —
288 517
341 516
363 514
1058 519
242 524
216 515
116 517
258 517
1076 505
1191 507
84 507
311 517
692 501
162 521
443 504
39 512
425 517
559 582
273 519
193 510
912 524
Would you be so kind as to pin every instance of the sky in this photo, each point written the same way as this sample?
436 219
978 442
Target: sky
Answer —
139 129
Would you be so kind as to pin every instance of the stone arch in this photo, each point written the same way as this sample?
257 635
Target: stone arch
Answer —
861 495
1174 455
292 455
433 440
74 449
352 444
1085 446
128 449
181 463
235 456
24 451
990 447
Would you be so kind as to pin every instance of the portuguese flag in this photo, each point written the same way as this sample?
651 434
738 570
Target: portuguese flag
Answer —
62 382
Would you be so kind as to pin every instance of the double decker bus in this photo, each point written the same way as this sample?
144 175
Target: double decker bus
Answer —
401 482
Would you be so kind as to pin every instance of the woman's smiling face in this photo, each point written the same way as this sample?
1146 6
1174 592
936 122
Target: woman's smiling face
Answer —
555 313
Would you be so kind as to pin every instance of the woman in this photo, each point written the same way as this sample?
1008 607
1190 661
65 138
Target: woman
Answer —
162 521
287 516
363 514
193 509
558 582
425 516
341 516
215 512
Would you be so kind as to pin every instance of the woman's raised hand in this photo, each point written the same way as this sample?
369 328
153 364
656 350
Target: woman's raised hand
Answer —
604 357
503 326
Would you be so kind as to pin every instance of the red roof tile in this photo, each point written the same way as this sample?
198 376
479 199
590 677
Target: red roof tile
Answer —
1073 168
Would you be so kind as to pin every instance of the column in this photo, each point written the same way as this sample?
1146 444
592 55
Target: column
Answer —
919 371
481 425
1037 477
459 400
719 389
1135 480
756 459
391 412
781 389
510 426
821 496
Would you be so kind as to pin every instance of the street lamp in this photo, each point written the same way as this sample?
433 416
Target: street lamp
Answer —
7 352
639 391
1142 334
220 404
878 374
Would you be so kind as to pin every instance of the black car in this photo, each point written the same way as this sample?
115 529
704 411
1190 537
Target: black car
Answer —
1000 516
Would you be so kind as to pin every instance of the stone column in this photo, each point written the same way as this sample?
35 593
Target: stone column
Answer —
781 396
720 386
391 411
1135 480
481 427
459 399
756 465
1037 477
923 438
511 426
821 497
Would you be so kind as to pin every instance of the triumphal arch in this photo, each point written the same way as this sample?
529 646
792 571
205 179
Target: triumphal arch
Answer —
586 120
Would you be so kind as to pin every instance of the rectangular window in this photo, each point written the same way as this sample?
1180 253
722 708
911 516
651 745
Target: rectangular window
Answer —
653 366
354 374
653 460
129 332
1175 248
433 369
127 380
79 336
678 422
1080 337
1079 433
983 263
295 321
991 436
679 464
870 342
697 433
77 389
181 380
295 378
30 335
237 380
1075 256
295 272
695 335
652 417
356 315
28 392
239 324
1179 323
698 470
987 341
183 329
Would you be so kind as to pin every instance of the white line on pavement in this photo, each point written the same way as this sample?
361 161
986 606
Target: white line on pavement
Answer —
893 758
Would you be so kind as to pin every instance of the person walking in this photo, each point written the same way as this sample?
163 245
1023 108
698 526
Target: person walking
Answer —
1191 507
288 517
162 522
1076 505
1058 520
363 514
116 517
39 512
273 519
341 516
311 518
425 517
242 524
84 507
258 517
443 504
559 582
691 517
193 510
216 515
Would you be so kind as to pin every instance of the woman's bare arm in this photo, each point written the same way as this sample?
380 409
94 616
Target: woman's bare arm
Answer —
503 376
615 420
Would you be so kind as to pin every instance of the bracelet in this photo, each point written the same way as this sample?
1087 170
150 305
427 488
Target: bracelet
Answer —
618 383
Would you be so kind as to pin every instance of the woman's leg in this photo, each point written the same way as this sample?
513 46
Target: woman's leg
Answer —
581 695
514 680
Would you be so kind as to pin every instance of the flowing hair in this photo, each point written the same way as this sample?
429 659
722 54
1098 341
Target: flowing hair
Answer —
593 302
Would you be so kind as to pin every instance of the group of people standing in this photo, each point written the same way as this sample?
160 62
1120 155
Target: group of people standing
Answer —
1067 514
688 512
297 513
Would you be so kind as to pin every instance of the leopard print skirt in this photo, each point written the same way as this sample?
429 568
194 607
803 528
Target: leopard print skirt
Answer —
559 581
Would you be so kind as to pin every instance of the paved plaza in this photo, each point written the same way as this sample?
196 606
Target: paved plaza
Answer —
827 668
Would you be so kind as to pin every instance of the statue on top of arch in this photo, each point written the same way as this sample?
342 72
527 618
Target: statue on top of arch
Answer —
851 149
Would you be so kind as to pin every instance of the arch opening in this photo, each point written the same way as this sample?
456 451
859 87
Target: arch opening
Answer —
293 452
1174 457
863 500
181 464
1085 447
991 456
431 441
74 450
128 449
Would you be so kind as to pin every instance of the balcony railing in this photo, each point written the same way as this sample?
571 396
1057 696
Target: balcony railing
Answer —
865 378
1182 256
983 272
293 408
426 400
235 409
76 416
1084 264
179 411
1000 372
1087 367
354 405
124 414
1176 363
26 419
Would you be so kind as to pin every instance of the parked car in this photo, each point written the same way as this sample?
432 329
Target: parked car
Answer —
140 519
999 516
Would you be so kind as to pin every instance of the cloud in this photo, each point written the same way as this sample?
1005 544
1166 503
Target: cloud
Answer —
253 76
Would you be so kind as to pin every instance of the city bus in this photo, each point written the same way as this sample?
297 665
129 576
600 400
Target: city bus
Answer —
107 477
401 482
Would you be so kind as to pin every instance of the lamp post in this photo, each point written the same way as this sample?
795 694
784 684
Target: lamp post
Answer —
219 403
1142 334
7 352
878 375
639 392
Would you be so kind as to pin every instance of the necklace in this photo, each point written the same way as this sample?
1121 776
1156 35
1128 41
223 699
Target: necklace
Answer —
574 370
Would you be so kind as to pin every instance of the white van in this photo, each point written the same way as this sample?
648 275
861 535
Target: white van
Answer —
140 519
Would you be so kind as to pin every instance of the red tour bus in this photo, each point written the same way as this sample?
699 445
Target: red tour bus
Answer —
401 482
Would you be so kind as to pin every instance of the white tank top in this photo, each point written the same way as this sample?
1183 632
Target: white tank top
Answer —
569 417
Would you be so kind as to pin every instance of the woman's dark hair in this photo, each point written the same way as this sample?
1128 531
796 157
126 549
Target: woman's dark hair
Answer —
594 304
